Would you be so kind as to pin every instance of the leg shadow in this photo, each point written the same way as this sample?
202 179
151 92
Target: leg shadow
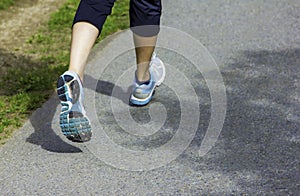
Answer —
107 88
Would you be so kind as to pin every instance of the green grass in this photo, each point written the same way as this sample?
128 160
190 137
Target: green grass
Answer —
4 4
25 88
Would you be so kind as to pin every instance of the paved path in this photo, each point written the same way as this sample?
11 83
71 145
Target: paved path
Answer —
257 47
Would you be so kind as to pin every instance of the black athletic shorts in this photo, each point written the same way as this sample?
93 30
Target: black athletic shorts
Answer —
144 14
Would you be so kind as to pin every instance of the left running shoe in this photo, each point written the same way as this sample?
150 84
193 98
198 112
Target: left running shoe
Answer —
74 122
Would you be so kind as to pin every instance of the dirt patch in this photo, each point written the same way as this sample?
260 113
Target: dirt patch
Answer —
22 20
17 25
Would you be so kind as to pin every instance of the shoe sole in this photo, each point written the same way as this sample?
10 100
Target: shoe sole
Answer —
74 125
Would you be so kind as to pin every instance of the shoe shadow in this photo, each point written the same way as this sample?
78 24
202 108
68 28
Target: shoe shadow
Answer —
43 122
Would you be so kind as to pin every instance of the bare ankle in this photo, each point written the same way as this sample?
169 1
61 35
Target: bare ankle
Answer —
143 77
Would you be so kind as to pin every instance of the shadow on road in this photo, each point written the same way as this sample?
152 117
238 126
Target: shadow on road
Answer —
44 135
261 135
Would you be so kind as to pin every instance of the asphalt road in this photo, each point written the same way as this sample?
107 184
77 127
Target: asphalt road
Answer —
256 46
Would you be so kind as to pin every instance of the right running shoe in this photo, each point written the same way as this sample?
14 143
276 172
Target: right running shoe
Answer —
142 93
74 122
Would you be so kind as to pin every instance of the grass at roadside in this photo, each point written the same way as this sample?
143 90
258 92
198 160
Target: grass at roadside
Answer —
25 88
5 4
